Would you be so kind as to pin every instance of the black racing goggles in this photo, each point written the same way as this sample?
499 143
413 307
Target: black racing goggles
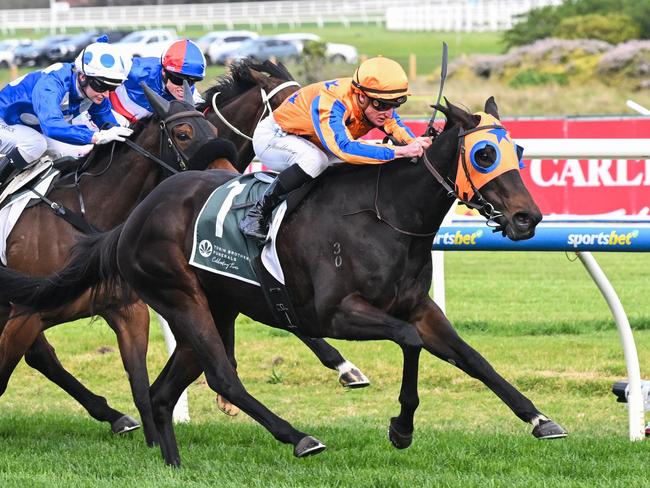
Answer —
178 80
101 86
385 105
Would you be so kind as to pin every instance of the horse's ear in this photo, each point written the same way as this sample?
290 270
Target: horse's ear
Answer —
158 103
491 108
187 93
259 78
457 115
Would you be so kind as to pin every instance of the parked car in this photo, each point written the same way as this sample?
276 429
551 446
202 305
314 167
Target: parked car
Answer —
261 49
8 48
225 41
67 51
146 43
35 54
343 53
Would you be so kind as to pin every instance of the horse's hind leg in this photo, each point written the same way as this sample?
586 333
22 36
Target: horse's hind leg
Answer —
441 340
132 329
349 375
42 357
181 369
192 322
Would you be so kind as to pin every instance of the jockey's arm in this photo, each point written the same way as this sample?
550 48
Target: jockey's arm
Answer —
46 97
396 128
328 117
102 114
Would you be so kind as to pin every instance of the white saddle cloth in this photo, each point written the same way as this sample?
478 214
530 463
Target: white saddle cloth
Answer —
10 214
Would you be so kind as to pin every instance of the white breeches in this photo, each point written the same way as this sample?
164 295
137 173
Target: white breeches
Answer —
32 144
278 150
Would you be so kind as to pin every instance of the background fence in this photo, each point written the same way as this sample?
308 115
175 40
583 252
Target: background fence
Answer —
466 15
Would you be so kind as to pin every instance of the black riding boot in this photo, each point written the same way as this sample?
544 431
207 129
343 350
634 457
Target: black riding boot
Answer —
255 223
9 162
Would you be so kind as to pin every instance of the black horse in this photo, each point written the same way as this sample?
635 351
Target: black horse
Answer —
364 273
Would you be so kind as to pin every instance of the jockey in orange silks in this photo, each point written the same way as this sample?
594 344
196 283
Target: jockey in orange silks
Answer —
321 123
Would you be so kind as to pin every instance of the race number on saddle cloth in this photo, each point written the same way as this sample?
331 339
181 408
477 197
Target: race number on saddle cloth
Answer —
182 61
219 246
508 155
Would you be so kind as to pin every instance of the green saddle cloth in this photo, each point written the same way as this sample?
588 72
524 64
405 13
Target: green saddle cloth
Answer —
219 246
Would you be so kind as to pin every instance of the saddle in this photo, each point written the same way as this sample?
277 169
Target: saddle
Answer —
21 179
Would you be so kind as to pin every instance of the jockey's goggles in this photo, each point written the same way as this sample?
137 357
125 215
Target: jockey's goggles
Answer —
384 105
102 85
178 80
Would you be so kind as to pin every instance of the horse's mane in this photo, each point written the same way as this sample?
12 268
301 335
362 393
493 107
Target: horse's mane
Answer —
239 79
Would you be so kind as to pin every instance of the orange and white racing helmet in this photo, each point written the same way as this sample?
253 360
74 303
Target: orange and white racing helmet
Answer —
382 78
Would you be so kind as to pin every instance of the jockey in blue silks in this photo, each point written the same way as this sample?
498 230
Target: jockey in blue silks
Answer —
60 109
182 61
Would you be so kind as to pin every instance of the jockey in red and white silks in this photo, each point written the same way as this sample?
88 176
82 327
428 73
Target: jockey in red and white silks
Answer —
182 61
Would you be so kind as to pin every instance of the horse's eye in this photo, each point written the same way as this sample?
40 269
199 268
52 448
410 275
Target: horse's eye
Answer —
183 136
485 156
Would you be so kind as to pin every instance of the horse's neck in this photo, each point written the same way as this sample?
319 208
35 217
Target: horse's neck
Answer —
110 196
411 197
243 112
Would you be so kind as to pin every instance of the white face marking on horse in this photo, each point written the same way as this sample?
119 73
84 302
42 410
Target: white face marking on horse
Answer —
338 260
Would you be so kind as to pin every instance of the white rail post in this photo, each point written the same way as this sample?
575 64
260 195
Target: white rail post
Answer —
181 409
635 403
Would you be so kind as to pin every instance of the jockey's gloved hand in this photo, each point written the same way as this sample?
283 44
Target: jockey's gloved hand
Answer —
116 133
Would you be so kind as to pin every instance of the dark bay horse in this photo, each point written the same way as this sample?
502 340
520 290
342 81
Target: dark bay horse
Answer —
363 274
240 95
114 181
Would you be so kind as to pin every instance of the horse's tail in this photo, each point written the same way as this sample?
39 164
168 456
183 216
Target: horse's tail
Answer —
92 264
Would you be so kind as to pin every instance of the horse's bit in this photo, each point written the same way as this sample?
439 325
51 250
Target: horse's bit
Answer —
266 101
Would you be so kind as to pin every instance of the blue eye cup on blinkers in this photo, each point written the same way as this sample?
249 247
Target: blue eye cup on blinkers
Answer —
520 156
480 145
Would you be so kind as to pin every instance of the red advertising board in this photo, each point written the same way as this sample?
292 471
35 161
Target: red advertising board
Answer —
581 187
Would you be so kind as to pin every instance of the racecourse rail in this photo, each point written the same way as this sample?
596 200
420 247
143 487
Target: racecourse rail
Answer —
445 15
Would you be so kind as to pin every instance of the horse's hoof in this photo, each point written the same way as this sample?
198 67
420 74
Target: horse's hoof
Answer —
124 424
398 439
354 379
226 407
547 429
308 446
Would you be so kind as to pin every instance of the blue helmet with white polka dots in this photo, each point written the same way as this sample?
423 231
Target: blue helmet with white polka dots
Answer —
104 61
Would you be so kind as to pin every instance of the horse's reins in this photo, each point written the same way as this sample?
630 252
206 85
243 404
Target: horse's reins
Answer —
483 206
266 101
166 141
78 221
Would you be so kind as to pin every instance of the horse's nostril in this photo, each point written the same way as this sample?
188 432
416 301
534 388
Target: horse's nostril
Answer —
523 220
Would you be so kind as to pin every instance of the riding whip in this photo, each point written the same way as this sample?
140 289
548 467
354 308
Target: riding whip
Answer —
443 74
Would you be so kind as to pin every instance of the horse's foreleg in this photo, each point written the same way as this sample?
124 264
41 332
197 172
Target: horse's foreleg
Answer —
42 357
400 431
349 375
132 329
441 340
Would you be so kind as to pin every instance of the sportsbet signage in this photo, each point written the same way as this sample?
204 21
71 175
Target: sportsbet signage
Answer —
602 187
550 237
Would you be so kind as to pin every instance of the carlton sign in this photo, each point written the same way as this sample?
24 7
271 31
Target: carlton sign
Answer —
604 187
